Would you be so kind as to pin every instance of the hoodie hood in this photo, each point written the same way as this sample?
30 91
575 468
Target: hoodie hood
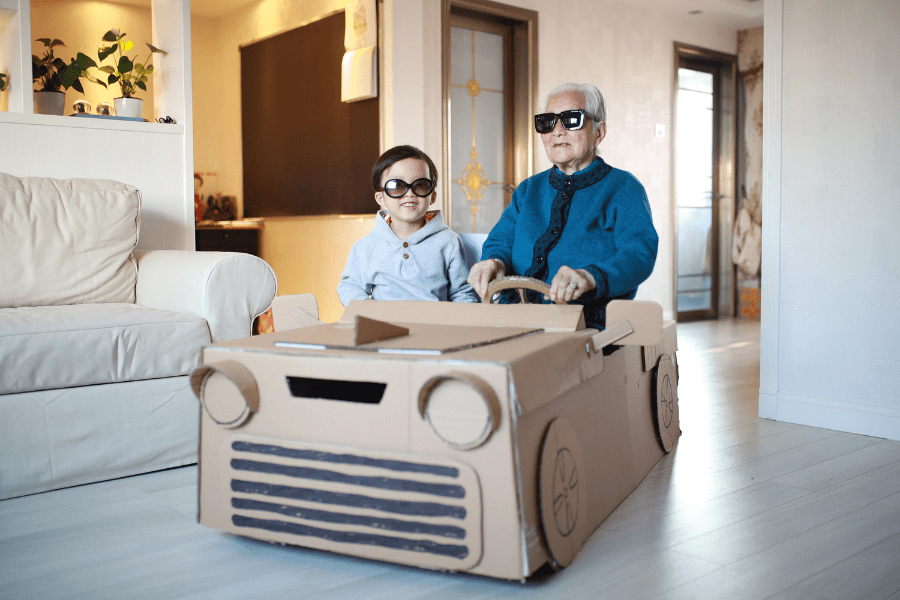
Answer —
434 223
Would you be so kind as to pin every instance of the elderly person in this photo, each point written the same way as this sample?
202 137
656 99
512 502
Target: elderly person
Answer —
583 226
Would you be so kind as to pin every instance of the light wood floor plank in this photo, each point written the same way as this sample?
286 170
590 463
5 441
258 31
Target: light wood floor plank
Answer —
873 574
843 467
758 533
782 566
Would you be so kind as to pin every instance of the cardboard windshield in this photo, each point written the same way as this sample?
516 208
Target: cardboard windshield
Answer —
549 317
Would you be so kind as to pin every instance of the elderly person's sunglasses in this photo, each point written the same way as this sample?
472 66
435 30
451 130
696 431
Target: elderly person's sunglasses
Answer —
397 188
570 119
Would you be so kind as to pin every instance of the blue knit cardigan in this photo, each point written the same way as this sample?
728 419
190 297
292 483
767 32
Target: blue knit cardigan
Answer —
596 219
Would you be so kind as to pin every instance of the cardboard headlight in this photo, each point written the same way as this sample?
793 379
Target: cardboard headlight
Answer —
227 391
461 409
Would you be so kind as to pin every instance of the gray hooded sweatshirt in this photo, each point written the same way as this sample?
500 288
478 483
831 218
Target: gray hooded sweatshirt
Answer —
428 265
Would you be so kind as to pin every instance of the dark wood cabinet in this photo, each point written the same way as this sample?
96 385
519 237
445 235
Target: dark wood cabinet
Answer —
230 237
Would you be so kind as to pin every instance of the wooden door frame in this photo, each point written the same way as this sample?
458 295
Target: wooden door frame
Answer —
524 25
724 176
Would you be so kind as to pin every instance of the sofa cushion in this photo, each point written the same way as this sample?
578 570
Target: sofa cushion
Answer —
67 241
52 347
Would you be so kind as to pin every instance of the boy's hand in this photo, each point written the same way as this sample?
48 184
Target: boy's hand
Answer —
483 273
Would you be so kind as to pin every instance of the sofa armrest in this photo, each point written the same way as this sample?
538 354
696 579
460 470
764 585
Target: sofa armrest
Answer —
228 289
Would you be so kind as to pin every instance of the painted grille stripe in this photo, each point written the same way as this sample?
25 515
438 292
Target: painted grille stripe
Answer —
384 483
403 507
354 537
449 531
349 459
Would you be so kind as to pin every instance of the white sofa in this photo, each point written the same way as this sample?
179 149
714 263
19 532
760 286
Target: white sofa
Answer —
97 340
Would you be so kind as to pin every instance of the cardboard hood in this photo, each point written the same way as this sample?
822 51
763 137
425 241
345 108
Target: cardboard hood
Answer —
432 434
369 335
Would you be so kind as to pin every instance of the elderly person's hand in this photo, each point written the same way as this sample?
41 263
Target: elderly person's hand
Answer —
483 273
569 284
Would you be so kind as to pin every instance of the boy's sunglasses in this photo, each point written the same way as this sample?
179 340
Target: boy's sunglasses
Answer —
570 119
397 188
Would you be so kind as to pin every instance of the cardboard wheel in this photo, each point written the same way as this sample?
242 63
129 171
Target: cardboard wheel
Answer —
665 394
562 493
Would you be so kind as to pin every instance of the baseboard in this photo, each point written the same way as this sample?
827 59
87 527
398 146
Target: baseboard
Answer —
839 415
768 404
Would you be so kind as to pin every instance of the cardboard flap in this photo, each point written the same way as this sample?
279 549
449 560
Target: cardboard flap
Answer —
644 316
630 323
421 338
370 330
549 317
295 310
542 376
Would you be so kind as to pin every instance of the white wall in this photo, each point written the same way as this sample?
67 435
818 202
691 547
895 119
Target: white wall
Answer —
627 51
830 210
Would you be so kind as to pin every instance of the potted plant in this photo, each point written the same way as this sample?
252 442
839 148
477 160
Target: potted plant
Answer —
3 81
130 75
53 76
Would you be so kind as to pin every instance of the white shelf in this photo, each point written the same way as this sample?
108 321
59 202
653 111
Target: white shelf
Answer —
91 123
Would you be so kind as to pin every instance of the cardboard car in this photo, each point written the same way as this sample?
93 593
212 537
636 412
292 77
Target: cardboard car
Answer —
491 439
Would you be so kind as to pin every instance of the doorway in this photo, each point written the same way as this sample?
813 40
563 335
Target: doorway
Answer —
489 83
704 182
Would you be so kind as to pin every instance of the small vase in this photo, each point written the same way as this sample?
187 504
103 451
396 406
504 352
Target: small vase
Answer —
129 107
49 103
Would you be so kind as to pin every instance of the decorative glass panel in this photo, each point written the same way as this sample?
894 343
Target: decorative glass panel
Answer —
477 126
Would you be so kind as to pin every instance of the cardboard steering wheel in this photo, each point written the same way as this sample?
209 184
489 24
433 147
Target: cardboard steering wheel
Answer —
516 282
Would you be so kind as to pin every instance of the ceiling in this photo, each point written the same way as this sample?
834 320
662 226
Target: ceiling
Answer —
739 14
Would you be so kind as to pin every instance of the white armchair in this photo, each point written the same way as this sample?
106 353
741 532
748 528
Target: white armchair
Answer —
97 341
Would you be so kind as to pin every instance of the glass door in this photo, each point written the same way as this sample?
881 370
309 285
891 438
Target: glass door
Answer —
696 192
480 123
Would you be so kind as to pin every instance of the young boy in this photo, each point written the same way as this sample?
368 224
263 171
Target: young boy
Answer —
410 254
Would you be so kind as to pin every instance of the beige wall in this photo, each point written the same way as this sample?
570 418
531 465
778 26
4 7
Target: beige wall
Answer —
308 255
626 51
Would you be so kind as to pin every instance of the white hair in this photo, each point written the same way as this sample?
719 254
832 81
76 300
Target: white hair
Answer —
593 99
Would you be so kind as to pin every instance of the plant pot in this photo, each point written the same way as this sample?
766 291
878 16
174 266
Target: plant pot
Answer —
49 103
129 107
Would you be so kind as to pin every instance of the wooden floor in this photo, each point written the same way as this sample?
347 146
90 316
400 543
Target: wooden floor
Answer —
744 508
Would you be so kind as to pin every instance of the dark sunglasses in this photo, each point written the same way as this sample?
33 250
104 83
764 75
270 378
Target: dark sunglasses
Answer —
397 188
570 119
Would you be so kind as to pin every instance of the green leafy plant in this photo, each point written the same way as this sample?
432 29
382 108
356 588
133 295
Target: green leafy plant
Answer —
128 74
3 81
52 74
